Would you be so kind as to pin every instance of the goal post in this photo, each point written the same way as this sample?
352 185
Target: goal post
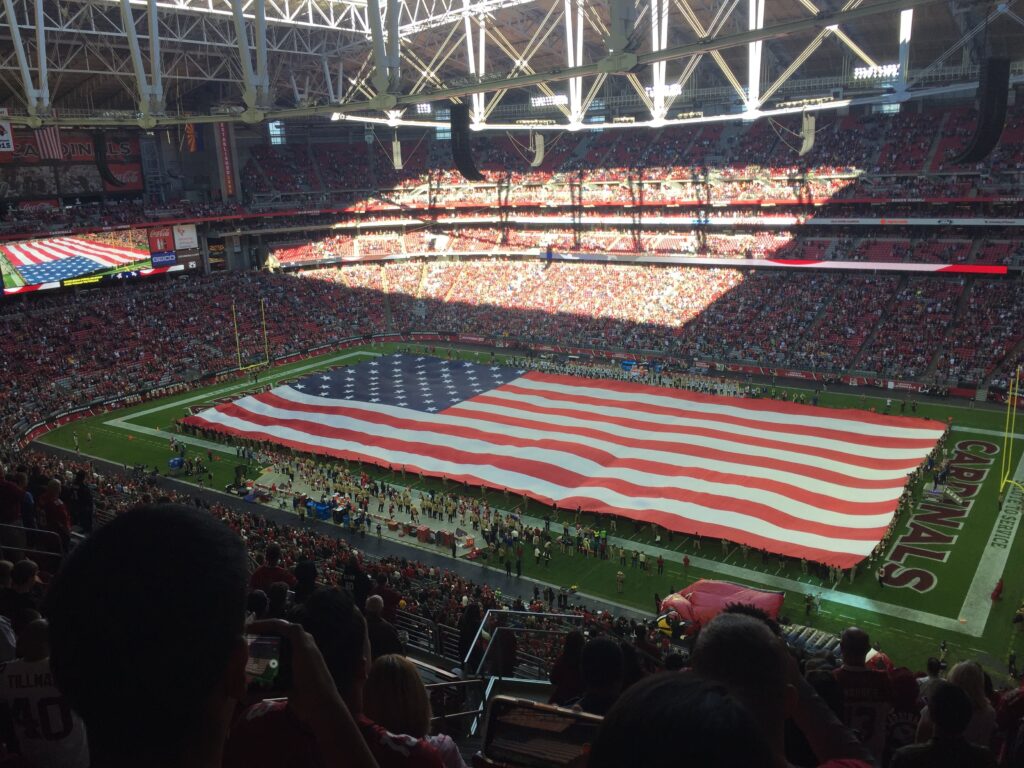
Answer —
238 338
1007 464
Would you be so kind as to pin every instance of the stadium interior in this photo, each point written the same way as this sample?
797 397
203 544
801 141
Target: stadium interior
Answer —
511 383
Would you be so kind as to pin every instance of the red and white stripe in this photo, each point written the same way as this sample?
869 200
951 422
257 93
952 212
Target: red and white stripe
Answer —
55 249
48 140
796 480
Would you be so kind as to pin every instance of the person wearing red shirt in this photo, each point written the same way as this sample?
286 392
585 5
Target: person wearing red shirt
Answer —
55 515
390 597
867 693
271 572
270 735
10 501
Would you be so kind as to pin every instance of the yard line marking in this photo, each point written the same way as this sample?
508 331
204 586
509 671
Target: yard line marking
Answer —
990 432
978 603
237 387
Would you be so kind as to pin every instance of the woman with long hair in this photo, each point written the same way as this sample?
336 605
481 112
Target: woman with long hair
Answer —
969 677
396 698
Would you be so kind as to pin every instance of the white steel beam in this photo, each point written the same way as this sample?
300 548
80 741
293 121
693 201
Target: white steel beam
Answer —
622 17
394 44
332 94
380 79
794 65
31 94
521 59
720 18
428 71
906 27
659 40
249 83
155 63
44 86
574 16
696 26
755 21
259 35
480 99
141 81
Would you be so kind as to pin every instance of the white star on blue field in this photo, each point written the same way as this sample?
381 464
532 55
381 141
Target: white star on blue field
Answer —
416 382
65 269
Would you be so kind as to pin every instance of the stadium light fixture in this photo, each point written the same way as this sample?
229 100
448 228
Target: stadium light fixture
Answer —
673 89
880 72
549 101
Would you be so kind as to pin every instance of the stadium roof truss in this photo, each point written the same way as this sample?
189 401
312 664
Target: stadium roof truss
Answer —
80 61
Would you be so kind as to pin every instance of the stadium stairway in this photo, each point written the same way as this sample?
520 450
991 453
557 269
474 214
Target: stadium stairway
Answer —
870 338
1014 354
315 165
389 320
579 154
959 316
830 252
936 142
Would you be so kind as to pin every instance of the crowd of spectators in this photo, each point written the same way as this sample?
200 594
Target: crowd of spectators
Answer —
893 245
61 356
772 702
866 156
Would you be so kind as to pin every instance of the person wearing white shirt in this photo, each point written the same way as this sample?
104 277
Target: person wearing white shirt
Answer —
49 734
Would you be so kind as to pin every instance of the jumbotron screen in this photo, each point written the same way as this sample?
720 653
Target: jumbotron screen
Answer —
95 257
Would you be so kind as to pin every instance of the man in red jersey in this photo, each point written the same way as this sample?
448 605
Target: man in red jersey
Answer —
867 693
271 571
269 734
744 653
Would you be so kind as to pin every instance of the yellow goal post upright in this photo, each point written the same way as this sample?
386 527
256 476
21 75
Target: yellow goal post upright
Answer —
1014 393
238 339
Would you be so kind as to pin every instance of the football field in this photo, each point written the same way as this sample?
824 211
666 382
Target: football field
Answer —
941 565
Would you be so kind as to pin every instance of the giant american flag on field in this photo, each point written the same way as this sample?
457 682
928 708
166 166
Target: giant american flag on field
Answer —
793 479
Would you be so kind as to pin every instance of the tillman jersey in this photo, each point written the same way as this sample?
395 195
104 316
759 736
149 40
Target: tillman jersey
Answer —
49 734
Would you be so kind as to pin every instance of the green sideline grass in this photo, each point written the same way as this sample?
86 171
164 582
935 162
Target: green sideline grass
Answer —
907 641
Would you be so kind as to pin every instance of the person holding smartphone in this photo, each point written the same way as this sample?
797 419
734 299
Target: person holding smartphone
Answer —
147 625
274 733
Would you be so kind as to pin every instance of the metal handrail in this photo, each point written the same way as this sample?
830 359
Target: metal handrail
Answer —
571 618
478 711
31 552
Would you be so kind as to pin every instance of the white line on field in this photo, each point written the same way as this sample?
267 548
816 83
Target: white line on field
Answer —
978 602
125 423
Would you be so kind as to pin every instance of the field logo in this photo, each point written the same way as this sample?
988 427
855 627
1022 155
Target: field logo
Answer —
933 527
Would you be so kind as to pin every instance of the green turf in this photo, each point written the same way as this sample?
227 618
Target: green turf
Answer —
907 641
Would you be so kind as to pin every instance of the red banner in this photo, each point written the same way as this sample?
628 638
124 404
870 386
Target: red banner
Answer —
75 148
161 240
129 174
39 205
227 167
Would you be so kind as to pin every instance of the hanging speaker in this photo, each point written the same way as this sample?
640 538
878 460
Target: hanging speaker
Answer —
99 148
462 153
396 153
993 86
807 134
538 150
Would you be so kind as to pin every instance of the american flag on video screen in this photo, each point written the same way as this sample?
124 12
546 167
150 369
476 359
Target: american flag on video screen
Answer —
48 140
62 258
793 479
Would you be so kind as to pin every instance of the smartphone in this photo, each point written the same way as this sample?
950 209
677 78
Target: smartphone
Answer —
527 734
269 665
